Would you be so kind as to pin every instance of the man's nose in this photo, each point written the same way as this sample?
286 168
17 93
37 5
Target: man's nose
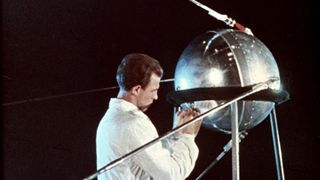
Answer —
155 96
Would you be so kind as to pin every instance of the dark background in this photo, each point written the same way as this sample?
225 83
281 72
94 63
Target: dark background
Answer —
55 46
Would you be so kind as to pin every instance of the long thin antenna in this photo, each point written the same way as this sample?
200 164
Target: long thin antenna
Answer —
226 149
222 17
31 100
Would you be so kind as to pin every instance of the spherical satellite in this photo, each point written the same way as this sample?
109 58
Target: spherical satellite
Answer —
226 59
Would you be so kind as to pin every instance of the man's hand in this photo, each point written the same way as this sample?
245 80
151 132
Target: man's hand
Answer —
184 116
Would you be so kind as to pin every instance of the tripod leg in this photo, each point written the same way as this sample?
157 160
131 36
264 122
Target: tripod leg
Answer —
226 149
235 142
276 144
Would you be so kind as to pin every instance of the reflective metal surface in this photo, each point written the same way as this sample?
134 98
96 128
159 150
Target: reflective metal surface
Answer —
227 58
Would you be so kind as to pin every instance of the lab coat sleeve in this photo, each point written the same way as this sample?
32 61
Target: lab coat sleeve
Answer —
163 163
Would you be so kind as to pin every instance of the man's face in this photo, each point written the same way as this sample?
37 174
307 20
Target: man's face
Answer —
149 94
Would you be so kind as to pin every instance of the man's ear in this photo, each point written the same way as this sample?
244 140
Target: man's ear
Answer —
135 90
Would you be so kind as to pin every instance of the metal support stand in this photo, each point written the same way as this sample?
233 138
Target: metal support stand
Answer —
226 149
276 144
235 141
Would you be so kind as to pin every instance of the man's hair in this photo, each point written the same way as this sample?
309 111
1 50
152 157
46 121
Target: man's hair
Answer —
136 69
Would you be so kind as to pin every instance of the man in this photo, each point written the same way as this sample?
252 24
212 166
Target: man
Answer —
126 127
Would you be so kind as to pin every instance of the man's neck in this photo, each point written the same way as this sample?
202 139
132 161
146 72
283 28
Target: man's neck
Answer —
127 96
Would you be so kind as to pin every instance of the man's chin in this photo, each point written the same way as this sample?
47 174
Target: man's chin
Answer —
144 108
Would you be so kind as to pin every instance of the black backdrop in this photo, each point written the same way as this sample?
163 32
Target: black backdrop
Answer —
54 47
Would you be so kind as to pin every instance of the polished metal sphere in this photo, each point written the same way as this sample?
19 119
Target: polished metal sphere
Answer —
226 58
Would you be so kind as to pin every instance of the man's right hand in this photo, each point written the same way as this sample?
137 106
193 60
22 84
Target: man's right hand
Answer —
184 116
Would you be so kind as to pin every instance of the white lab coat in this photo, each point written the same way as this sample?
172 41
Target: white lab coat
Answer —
124 128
